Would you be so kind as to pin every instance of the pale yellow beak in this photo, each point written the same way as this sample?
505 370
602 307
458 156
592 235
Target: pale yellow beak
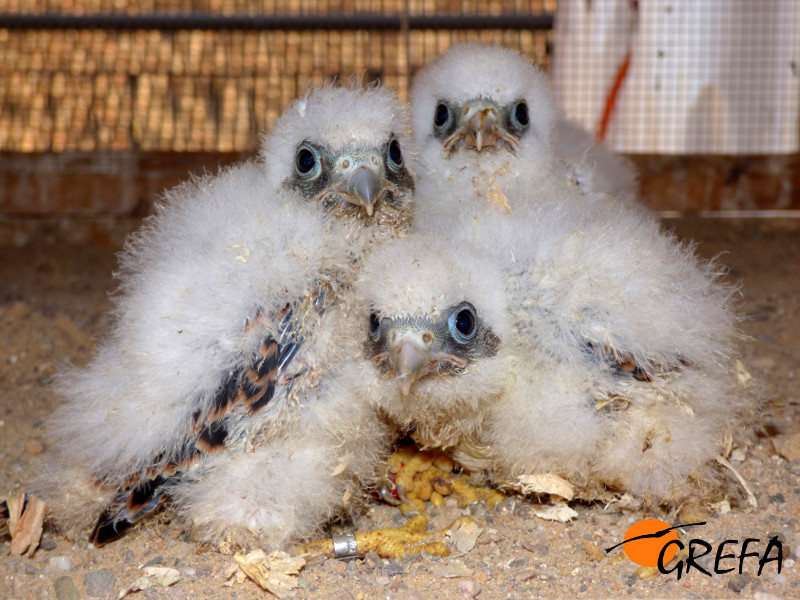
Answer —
410 356
481 128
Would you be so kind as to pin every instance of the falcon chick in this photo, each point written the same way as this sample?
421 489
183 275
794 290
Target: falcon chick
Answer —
606 357
219 385
484 116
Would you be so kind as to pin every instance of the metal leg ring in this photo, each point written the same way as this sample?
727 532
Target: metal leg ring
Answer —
345 546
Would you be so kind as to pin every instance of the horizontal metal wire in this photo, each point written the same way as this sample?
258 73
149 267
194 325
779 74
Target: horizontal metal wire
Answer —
374 22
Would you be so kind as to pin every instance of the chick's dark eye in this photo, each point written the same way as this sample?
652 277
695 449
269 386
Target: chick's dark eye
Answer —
305 161
441 115
521 114
394 154
374 325
465 322
462 323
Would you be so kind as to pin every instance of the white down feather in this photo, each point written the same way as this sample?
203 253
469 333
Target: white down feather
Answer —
475 70
219 251
564 275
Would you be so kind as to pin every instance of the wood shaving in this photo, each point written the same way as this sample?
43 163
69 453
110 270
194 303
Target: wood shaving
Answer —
454 569
278 573
25 524
545 483
340 468
464 535
153 577
625 502
751 499
742 374
556 512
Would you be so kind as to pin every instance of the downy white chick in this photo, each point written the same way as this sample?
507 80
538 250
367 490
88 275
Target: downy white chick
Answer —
217 387
484 119
605 357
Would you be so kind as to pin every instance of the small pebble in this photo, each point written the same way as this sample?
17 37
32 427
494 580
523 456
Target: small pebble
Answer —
34 447
739 582
99 583
592 551
469 589
408 595
188 570
780 579
47 544
335 566
391 568
737 456
477 510
58 563
373 561
65 589
789 447
152 562
507 506
525 575
765 596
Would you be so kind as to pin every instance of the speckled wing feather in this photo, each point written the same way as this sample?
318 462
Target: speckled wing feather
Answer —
244 393
624 365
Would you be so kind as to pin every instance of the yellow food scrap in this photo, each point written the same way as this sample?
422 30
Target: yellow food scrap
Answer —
427 476
490 496
496 197
388 543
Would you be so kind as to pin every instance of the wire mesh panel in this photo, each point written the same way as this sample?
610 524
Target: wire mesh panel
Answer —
185 79
110 99
686 77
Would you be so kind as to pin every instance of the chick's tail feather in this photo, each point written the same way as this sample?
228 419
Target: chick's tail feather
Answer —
253 387
128 507
247 390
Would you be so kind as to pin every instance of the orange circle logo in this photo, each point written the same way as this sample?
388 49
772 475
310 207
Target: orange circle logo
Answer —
644 551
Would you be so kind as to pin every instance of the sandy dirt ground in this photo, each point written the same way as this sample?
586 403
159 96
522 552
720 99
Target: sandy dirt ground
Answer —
53 305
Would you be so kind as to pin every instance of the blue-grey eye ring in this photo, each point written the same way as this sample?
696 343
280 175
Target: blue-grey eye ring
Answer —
520 117
462 323
307 161
394 155
441 115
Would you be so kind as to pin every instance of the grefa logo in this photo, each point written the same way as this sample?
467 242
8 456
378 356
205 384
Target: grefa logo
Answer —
654 543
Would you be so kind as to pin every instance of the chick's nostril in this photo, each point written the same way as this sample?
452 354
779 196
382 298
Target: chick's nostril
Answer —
427 338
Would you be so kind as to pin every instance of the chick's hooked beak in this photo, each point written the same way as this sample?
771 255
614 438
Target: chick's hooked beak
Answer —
480 128
362 182
410 356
